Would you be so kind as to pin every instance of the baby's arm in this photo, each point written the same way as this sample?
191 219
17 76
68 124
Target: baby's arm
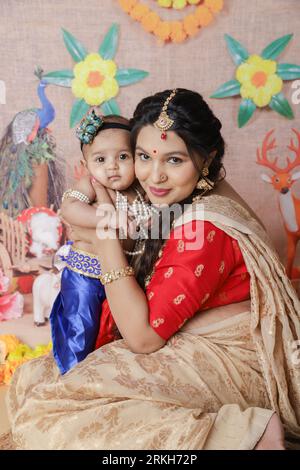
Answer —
80 213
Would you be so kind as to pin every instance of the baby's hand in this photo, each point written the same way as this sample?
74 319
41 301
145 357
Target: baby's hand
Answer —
101 192
85 186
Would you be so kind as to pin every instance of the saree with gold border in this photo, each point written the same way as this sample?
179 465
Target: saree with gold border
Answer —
211 387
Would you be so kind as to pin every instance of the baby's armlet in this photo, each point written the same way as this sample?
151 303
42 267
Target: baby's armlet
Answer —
76 212
84 186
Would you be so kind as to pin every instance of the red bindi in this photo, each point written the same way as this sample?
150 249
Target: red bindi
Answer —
154 151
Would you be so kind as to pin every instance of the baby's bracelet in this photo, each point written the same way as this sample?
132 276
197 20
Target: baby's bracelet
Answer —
76 195
115 274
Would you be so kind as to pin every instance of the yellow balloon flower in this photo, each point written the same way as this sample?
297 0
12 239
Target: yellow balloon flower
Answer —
259 80
94 80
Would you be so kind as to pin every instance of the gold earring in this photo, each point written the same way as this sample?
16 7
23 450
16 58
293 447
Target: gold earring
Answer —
204 183
205 171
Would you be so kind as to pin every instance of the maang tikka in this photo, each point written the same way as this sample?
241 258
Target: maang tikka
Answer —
164 122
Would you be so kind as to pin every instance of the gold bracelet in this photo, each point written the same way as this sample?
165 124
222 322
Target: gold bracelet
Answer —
115 274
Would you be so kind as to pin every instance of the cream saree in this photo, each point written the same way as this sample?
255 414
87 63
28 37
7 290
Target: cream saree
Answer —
213 387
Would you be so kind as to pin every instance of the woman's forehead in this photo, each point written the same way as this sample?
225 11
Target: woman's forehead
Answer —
149 139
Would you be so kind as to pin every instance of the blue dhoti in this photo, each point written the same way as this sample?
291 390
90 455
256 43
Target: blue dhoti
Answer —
75 314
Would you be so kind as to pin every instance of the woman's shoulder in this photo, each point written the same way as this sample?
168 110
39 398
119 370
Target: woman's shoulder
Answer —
227 210
232 198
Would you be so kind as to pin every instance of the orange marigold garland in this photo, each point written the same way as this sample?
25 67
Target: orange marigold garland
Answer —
173 31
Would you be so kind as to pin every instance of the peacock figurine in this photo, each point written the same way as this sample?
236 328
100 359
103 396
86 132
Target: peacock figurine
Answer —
27 146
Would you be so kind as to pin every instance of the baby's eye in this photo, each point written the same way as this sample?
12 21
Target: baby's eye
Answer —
99 160
143 157
175 160
124 156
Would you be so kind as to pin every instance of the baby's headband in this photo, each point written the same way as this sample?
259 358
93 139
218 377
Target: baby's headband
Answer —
90 126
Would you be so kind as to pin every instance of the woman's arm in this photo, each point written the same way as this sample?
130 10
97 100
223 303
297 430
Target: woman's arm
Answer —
188 274
128 302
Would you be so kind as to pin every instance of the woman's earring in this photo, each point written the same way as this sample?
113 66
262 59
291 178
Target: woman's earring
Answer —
204 183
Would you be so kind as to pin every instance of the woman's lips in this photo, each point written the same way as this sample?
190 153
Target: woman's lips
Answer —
158 191
112 178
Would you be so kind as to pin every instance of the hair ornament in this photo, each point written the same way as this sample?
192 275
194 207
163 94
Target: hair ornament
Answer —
89 127
164 122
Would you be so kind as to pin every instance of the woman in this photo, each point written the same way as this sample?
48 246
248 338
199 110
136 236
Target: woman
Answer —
177 379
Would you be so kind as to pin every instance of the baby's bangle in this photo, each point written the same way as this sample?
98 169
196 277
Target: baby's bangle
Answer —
115 274
76 195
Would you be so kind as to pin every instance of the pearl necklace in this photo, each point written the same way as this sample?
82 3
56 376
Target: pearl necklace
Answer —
136 252
141 212
139 209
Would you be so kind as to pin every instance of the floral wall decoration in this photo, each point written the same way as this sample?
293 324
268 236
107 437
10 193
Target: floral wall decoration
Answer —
259 79
96 78
173 31
282 180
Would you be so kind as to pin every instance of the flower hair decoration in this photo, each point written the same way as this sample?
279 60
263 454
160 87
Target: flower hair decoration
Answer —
89 127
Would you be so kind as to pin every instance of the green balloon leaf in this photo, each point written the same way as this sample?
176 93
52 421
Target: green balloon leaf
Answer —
231 88
108 48
60 77
237 51
110 107
246 111
126 77
276 47
75 48
281 105
288 71
79 109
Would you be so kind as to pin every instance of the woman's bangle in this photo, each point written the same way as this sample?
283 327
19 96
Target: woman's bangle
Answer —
76 195
115 274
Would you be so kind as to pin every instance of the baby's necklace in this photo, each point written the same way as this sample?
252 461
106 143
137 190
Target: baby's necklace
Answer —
141 212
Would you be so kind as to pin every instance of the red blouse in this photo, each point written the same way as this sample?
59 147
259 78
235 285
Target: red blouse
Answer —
200 267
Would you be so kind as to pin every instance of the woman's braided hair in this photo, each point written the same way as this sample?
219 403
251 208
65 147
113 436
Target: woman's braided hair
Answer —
199 128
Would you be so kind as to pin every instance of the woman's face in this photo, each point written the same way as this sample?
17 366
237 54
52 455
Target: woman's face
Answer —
164 167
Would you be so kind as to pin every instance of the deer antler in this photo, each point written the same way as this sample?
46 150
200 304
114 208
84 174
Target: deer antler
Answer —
266 146
296 162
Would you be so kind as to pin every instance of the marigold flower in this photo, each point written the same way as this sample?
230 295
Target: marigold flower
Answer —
190 25
177 32
163 30
179 4
150 21
203 15
165 3
127 5
139 11
214 5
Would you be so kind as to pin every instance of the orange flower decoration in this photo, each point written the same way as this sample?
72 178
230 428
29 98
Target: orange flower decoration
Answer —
172 31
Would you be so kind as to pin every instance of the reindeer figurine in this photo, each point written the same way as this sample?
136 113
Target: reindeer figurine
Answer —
282 181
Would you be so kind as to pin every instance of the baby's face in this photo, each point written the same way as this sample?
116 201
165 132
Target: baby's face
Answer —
109 159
